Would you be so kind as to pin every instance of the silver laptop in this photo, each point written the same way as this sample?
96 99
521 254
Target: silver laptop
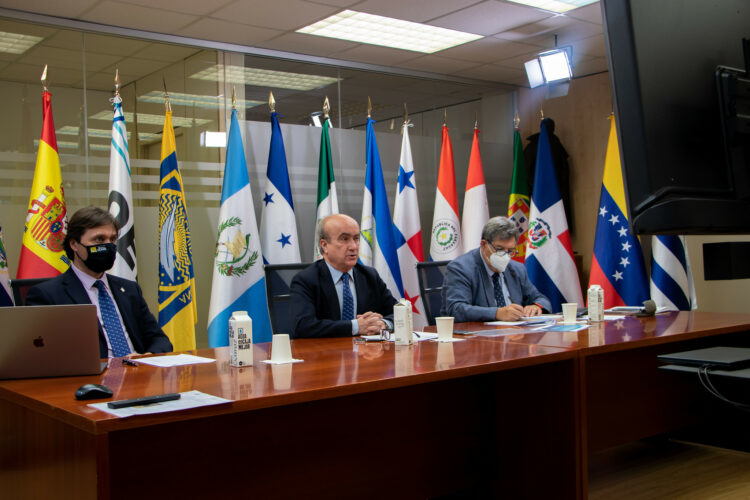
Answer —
49 341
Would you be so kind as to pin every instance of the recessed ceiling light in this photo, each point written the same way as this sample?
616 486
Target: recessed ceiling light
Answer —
558 6
149 119
194 100
14 43
388 32
263 77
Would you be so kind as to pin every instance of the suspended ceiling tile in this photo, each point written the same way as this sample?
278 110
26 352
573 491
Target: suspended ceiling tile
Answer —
68 8
30 73
278 14
528 33
197 7
132 69
336 3
493 72
591 13
301 43
135 16
27 29
487 50
590 66
419 11
105 82
490 17
242 34
437 64
377 55
567 33
592 46
166 52
113 45
41 55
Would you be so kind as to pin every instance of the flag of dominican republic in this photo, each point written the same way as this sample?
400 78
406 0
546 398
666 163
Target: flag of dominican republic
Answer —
6 296
42 254
121 196
378 249
327 201
239 283
617 264
178 311
549 257
518 204
476 212
672 285
445 240
408 231
278 226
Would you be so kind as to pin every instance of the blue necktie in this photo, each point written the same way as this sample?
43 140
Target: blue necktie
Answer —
111 322
347 310
499 297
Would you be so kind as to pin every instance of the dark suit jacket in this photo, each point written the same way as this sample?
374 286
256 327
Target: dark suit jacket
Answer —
315 305
144 331
468 293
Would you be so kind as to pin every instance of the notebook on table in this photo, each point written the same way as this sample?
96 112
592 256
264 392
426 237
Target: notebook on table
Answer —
49 341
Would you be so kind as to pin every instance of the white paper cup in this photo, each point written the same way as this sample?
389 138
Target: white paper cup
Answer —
444 328
282 376
569 311
281 348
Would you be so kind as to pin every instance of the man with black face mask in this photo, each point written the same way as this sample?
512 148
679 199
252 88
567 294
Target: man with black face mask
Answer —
126 325
486 285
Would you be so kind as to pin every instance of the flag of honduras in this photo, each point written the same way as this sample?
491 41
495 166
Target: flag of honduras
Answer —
278 227
378 245
549 257
239 282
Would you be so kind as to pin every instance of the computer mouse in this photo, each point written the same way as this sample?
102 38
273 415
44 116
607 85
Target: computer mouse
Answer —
93 391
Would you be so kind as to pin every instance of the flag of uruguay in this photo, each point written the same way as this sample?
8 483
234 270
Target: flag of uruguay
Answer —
549 258
671 277
121 196
408 231
378 245
239 282
278 226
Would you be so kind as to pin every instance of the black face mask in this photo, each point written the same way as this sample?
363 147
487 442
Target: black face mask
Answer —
101 257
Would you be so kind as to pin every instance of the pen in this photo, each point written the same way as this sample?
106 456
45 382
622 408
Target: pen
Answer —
418 335
128 362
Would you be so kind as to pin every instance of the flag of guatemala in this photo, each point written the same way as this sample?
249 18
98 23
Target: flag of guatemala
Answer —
378 248
239 282
278 226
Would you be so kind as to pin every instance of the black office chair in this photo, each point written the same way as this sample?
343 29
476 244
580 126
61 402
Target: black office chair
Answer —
430 276
278 279
21 287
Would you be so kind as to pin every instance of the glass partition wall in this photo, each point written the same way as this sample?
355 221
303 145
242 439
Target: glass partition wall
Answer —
201 81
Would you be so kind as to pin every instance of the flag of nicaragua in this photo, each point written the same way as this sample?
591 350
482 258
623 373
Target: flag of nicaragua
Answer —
278 227
549 258
238 279
617 264
672 285
408 231
121 196
378 245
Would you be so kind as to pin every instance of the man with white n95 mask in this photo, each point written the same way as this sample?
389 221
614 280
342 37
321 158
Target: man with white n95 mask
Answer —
486 285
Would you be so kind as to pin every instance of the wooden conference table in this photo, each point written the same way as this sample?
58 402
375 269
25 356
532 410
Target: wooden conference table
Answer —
512 416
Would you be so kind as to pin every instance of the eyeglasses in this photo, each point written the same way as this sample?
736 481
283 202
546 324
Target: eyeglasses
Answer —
502 251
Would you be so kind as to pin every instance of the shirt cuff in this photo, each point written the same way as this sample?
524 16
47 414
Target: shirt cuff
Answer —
388 324
355 327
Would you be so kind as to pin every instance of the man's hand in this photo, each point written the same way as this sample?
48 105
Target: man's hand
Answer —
370 323
509 313
532 310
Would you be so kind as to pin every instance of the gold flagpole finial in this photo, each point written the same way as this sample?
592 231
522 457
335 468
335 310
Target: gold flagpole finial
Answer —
516 121
167 104
476 120
445 117
326 108
406 114
541 112
271 102
44 78
117 81
369 107
234 98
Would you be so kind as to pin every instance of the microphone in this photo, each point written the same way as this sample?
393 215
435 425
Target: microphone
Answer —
648 309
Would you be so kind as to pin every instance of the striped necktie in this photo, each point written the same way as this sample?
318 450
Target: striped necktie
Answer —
111 321
347 310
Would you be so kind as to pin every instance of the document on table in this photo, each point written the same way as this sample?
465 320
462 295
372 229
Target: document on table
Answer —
500 332
173 360
189 399
527 320
420 336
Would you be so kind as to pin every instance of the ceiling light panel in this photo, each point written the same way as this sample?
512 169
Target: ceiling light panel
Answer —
558 6
149 119
194 100
264 78
14 43
388 32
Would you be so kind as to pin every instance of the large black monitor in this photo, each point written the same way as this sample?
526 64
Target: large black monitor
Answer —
686 165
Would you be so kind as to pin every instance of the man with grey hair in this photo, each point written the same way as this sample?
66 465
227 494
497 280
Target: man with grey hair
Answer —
336 296
486 285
